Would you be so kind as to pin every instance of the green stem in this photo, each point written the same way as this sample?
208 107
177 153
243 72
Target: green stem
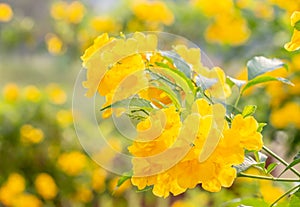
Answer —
237 100
273 154
285 194
267 178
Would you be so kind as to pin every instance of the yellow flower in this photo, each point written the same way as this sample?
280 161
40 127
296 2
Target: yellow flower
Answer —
246 128
104 24
72 12
294 44
6 12
58 10
214 7
156 96
285 116
32 93
218 31
56 94
64 117
14 185
11 92
83 194
166 156
72 163
98 179
45 186
75 12
29 134
25 200
54 44
153 11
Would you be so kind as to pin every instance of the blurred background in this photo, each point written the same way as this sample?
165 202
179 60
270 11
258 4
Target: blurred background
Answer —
41 160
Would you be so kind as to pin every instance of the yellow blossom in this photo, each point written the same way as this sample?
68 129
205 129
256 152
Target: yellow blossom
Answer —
54 44
64 117
104 24
45 186
14 185
214 7
55 94
294 44
29 134
156 96
175 172
32 93
58 10
72 163
11 92
25 200
286 115
218 31
153 11
75 12
6 12
83 194
98 179
72 12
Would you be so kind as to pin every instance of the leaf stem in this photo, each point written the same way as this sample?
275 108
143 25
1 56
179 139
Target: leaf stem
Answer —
268 178
237 100
277 157
285 194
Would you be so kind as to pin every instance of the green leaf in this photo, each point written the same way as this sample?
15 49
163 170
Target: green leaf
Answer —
263 79
249 110
295 200
261 126
260 65
292 164
204 82
180 80
297 25
131 103
124 177
246 202
147 188
271 167
232 81
248 162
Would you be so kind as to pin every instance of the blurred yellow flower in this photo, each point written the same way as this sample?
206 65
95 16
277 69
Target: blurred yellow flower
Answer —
32 93
31 135
289 6
72 12
72 163
58 10
14 185
45 186
54 44
180 203
286 115
64 117
153 11
98 179
6 12
219 31
104 24
11 92
75 12
294 44
214 7
25 200
83 194
55 94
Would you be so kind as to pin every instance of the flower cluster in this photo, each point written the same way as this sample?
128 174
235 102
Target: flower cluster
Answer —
185 137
